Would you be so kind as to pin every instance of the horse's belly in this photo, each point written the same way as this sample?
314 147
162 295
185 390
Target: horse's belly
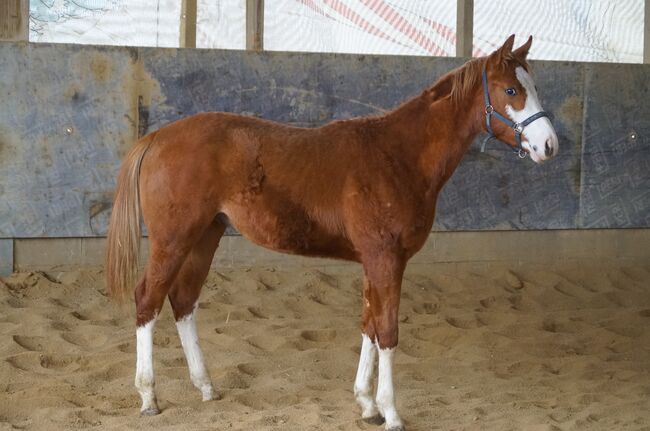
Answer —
289 232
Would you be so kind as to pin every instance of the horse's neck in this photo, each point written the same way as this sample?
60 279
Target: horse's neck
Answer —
438 135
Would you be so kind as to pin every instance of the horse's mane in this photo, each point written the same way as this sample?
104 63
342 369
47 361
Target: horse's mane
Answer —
458 84
462 82
465 79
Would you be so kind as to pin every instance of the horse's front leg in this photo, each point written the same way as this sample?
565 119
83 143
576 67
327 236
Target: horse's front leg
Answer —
384 275
363 383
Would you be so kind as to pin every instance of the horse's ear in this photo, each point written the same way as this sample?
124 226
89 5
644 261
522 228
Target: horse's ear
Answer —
505 50
507 45
522 51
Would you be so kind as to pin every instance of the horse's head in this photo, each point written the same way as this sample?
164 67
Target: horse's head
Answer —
510 95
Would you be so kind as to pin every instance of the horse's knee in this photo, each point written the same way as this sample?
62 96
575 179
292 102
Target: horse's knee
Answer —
386 329
387 339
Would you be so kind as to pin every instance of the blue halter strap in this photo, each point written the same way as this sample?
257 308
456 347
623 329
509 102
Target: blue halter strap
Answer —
518 128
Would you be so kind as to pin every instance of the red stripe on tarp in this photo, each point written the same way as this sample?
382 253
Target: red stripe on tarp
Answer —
449 34
391 16
357 19
313 6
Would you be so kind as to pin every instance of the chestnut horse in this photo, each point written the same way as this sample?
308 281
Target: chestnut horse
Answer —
362 190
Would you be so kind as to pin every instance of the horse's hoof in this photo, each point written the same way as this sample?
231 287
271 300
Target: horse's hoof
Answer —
397 428
151 411
214 396
377 419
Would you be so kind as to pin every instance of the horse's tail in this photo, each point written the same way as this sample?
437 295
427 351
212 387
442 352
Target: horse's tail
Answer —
123 248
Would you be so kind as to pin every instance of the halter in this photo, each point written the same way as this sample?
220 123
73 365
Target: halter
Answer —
518 128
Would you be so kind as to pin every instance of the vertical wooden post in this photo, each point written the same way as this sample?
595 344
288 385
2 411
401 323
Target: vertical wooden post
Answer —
14 20
255 25
465 27
646 33
188 24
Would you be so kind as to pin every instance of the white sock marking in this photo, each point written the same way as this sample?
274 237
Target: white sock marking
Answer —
385 392
144 378
363 381
195 362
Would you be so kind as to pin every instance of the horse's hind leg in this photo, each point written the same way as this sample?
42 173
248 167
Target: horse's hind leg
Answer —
150 294
183 297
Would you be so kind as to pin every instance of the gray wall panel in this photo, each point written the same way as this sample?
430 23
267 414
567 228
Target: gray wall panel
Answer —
66 115
616 156
59 184
497 190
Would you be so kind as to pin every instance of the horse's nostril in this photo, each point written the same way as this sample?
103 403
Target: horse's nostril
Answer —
548 149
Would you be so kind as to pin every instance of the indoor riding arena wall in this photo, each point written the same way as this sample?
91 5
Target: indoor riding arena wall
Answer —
68 114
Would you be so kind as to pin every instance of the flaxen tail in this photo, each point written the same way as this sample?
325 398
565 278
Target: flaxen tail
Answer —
123 248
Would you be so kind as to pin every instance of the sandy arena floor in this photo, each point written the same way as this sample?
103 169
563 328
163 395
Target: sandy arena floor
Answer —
480 349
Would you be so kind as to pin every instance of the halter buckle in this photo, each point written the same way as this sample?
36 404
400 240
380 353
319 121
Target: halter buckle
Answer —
517 127
522 153
489 109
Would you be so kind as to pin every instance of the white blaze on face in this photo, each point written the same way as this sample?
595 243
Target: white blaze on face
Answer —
539 134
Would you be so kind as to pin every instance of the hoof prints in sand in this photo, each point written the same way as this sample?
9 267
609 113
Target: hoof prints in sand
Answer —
480 350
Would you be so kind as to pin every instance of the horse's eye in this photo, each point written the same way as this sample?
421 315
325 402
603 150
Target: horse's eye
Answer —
511 91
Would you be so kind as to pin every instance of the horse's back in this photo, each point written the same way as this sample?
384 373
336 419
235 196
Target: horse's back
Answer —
280 186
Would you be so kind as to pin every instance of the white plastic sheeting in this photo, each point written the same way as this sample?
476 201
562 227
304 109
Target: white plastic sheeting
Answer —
578 30
221 24
106 22
410 27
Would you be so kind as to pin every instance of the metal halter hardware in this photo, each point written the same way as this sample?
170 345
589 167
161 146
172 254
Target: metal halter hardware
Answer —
518 128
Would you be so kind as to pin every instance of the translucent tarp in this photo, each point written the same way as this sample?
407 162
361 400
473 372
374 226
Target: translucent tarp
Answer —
409 27
576 30
106 22
221 24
